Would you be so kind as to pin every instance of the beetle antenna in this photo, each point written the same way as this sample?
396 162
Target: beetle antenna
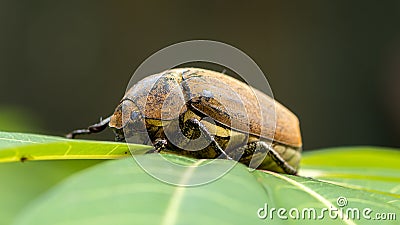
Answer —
95 128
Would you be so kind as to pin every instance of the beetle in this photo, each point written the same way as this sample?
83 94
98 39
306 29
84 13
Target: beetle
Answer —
170 109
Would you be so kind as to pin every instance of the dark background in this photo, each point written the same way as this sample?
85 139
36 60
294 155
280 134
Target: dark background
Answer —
336 64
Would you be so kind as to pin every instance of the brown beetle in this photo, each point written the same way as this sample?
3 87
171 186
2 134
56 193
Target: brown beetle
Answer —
235 120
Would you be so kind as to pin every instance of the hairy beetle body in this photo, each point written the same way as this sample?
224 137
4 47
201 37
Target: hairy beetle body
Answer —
233 116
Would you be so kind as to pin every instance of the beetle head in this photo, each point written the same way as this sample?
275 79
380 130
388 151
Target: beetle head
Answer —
129 123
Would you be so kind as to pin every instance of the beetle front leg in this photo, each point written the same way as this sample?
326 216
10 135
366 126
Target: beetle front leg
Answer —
250 150
159 145
197 124
95 128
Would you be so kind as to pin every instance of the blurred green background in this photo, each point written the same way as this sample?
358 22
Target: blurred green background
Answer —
336 64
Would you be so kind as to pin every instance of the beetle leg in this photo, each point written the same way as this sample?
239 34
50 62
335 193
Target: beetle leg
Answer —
263 147
95 128
159 145
210 138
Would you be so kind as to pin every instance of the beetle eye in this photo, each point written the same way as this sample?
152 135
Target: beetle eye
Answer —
139 125
134 115
137 121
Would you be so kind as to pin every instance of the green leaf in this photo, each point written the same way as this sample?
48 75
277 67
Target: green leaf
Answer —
23 182
21 147
120 192
365 168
